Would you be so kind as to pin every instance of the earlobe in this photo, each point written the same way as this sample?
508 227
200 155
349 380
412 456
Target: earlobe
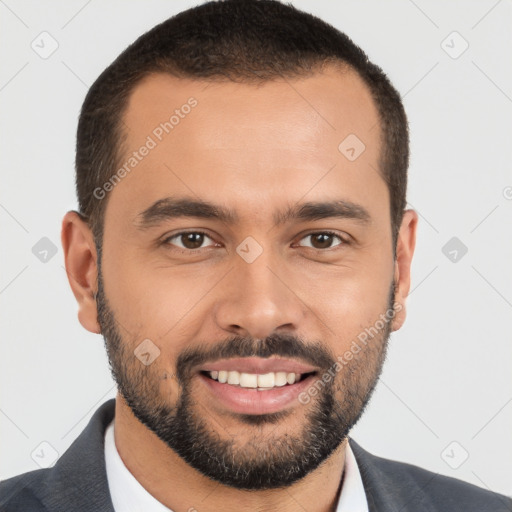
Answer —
406 243
81 267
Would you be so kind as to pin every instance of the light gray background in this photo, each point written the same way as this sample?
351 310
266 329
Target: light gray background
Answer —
448 374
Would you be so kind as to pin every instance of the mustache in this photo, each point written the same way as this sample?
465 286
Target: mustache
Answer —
282 345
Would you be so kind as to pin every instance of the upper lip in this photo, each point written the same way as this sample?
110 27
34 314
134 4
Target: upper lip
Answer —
258 365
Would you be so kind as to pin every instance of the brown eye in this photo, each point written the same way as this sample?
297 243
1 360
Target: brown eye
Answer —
192 240
322 240
188 240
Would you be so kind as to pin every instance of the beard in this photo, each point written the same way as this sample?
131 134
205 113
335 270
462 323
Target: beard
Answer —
265 461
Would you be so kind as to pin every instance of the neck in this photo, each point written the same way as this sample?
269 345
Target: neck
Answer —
169 479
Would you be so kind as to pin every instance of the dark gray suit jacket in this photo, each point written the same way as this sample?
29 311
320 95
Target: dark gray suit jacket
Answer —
78 482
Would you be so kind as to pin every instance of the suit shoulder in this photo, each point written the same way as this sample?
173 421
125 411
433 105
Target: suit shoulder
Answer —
423 488
452 493
21 492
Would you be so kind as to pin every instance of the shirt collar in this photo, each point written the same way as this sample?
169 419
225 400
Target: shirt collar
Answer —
125 490
352 494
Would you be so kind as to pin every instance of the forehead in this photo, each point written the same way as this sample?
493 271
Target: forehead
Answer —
249 145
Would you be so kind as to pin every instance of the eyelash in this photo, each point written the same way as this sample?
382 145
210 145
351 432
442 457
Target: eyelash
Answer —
165 241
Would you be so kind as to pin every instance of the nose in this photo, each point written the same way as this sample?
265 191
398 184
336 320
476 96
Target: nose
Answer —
259 299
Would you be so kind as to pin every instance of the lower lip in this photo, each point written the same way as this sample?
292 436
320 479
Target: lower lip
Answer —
252 401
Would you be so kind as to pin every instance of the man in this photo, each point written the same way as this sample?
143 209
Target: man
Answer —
243 247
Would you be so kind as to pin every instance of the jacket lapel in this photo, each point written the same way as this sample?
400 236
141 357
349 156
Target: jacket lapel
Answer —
78 481
390 486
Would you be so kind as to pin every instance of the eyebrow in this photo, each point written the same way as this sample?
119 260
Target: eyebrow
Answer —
170 208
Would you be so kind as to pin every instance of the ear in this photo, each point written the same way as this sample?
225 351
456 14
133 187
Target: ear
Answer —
80 259
406 241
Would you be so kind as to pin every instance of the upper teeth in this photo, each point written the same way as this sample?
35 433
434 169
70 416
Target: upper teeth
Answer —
253 380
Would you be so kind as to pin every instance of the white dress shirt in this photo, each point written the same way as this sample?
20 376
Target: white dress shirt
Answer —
128 495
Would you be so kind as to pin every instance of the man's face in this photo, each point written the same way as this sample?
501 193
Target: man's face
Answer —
274 282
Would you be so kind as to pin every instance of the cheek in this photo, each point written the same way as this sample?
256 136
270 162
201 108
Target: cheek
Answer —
348 303
152 299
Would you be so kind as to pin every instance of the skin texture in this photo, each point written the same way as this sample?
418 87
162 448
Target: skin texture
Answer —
256 150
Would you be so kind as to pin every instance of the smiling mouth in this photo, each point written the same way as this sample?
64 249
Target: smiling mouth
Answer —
260 382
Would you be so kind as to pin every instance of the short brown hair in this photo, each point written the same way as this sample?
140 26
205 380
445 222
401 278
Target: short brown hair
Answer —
237 40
